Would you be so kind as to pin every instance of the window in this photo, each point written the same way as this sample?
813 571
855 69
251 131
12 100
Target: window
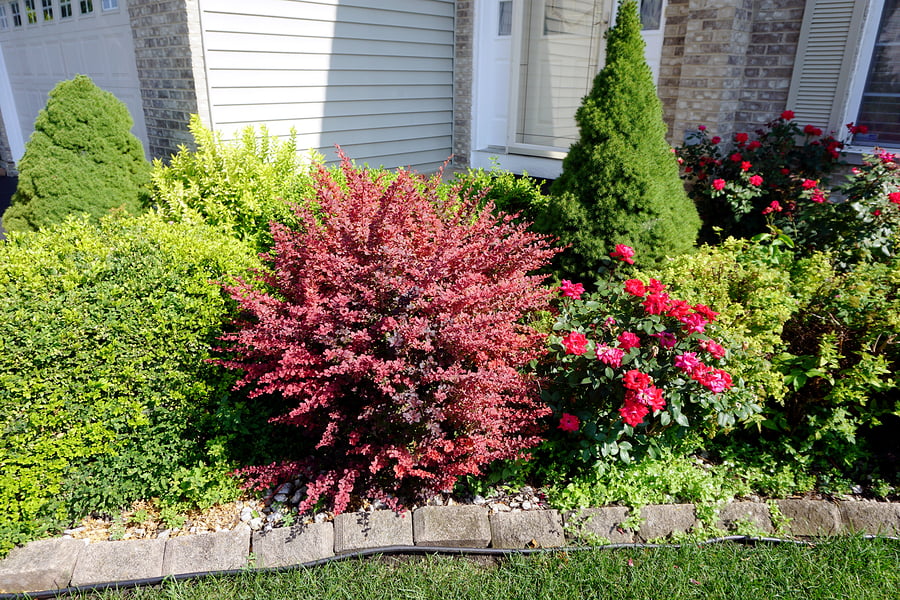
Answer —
506 13
879 104
30 12
846 70
87 7
651 14
47 9
16 15
65 9
110 4
4 21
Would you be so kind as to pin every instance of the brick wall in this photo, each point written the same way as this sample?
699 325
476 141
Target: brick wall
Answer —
770 62
169 58
727 64
462 81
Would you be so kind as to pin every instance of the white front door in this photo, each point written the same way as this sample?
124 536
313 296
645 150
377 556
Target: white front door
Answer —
530 78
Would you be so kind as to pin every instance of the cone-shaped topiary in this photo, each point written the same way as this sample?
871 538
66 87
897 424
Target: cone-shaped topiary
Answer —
620 183
81 157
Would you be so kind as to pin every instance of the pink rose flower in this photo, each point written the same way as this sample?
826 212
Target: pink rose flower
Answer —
571 290
756 180
569 423
635 287
718 184
628 340
575 343
633 413
623 253
610 356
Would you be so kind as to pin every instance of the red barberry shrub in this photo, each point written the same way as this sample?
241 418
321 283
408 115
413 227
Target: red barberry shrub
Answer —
391 326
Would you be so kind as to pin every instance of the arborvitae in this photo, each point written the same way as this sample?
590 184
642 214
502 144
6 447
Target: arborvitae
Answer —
620 183
81 157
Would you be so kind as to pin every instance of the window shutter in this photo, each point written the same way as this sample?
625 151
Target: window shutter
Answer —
826 55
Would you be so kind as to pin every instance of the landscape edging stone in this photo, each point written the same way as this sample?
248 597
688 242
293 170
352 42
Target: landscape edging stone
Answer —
57 563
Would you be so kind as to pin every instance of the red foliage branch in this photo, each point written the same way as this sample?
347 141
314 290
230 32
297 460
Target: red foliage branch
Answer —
393 331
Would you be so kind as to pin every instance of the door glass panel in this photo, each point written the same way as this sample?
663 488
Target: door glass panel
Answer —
561 46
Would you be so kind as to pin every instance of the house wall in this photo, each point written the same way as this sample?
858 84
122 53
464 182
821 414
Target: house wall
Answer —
727 64
463 71
6 158
169 55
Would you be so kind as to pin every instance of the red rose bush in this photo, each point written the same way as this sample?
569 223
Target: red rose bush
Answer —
631 365
391 328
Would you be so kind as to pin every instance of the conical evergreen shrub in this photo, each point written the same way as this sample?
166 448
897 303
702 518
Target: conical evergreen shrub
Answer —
620 183
81 157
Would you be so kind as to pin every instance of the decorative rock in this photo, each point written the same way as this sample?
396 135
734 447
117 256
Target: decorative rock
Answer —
661 520
285 490
535 529
453 526
356 531
604 523
281 498
246 514
214 552
288 546
755 513
119 561
297 497
810 517
874 518
40 565
479 500
526 505
256 523
499 507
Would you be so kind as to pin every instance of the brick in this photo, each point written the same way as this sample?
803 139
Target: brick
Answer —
755 513
527 529
40 565
452 526
296 545
604 523
377 529
222 551
810 517
873 518
119 561
660 521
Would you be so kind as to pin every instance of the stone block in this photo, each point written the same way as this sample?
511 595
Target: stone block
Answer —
527 529
452 526
874 518
662 520
119 561
377 529
40 565
604 523
810 517
295 545
222 551
754 513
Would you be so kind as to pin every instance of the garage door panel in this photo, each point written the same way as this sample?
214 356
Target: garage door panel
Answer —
40 56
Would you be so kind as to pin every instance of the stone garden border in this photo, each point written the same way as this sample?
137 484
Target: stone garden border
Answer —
53 564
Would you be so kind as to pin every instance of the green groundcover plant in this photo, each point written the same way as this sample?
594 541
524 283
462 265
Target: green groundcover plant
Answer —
106 396
82 157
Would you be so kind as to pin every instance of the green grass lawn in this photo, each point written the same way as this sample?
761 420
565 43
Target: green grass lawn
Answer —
838 568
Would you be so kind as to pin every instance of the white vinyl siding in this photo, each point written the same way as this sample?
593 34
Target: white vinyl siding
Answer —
826 57
374 76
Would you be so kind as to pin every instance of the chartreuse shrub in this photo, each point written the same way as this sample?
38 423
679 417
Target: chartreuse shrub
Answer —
390 329
635 371
106 394
239 186
821 347
510 193
620 182
81 157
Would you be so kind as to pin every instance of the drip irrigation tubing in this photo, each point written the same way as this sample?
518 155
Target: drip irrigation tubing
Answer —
403 550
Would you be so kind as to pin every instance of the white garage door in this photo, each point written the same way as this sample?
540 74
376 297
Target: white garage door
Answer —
48 41
375 76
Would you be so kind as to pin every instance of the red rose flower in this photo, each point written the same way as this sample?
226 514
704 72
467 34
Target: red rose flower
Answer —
787 115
